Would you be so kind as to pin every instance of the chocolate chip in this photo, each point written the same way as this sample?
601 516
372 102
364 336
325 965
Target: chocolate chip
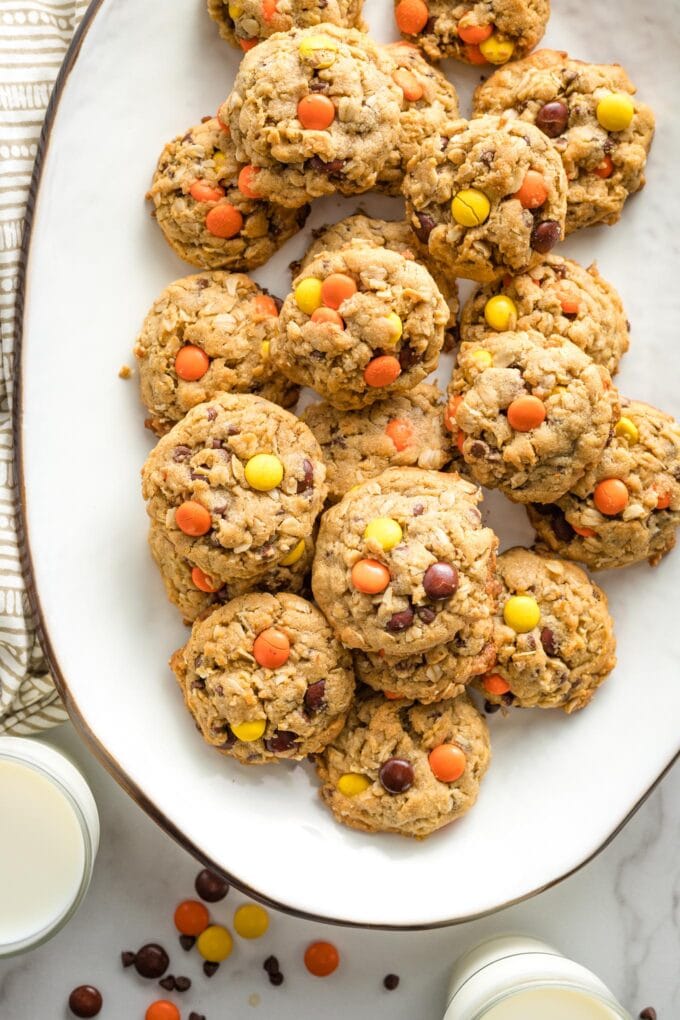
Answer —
277 301
408 357
552 119
271 965
85 1001
276 979
545 236
478 450
316 85
396 775
335 166
487 157
426 225
283 740
418 509
548 641
490 707
168 983
211 413
196 1016
430 26
181 454
127 958
507 698
426 614
202 281
151 961
210 887
182 984
391 981
440 581
210 968
649 1013
187 942
315 695
561 526
400 621
307 480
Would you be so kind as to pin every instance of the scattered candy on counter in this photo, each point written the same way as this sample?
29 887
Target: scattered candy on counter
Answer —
391 981
85 1001
321 958
162 1010
271 966
191 917
648 1014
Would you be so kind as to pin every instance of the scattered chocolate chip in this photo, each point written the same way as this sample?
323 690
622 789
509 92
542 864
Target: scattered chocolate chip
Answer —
307 480
426 614
490 707
168 983
507 698
210 968
391 981
187 942
548 641
85 1001
276 978
315 695
210 887
151 961
182 984
440 581
425 227
418 509
552 119
649 1013
396 775
196 1016
127 958
400 621
271 965
407 357
283 740
545 236
335 166
181 454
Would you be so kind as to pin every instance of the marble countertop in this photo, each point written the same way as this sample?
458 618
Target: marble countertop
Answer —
620 916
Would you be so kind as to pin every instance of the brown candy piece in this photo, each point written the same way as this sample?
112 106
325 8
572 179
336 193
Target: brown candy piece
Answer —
545 236
314 696
210 887
85 1001
151 961
396 775
440 581
553 118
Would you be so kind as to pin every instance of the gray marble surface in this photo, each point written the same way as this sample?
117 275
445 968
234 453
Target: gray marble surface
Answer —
620 916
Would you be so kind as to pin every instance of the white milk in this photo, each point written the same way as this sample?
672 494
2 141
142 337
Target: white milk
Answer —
552 1003
50 833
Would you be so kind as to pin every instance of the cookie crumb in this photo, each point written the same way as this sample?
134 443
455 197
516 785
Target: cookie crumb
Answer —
254 999
124 372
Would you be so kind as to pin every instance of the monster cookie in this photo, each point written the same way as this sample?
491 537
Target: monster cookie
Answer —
403 564
429 102
405 768
561 300
265 679
487 198
245 22
475 31
208 334
208 214
627 507
554 635
530 416
601 131
312 112
236 484
361 324
405 431
196 593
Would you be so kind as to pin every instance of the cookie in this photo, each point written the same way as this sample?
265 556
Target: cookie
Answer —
481 32
196 593
530 415
361 324
487 198
313 111
208 334
246 22
403 564
405 431
429 102
561 300
405 768
264 679
627 507
395 235
601 131
206 216
236 484
554 635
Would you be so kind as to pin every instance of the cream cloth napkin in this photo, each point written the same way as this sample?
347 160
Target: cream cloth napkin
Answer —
34 36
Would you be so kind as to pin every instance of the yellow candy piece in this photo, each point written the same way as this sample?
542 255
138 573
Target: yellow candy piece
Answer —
263 472
397 326
627 429
385 531
352 783
308 295
497 49
264 349
251 921
319 50
470 208
521 612
235 11
249 731
215 944
500 312
294 555
219 158
615 111
482 359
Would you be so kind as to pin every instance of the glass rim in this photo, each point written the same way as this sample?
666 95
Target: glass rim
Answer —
567 984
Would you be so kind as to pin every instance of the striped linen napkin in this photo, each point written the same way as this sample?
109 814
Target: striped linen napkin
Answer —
34 36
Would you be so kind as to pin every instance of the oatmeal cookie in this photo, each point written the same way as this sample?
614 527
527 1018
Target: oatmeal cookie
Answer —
405 768
487 198
236 484
601 131
205 215
403 564
264 679
244 23
361 324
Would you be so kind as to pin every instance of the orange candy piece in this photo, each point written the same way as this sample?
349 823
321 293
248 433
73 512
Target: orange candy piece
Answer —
268 10
392 696
610 496
526 413
474 54
246 179
409 84
321 958
450 413
266 305
400 431
447 762
663 496
337 288
382 371
533 193
474 34
247 44
605 169
316 112
495 684
202 191
411 16
370 577
162 1010
224 220
193 519
191 363
203 583
570 305
328 315
191 917
271 648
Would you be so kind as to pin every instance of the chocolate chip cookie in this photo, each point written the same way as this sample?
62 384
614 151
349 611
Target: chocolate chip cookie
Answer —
245 22
487 197
602 132
264 679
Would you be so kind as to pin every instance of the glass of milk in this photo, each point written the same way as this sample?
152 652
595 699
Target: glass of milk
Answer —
50 836
514 977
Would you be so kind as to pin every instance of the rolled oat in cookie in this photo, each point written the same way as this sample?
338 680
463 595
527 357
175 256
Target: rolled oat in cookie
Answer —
244 23
264 679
